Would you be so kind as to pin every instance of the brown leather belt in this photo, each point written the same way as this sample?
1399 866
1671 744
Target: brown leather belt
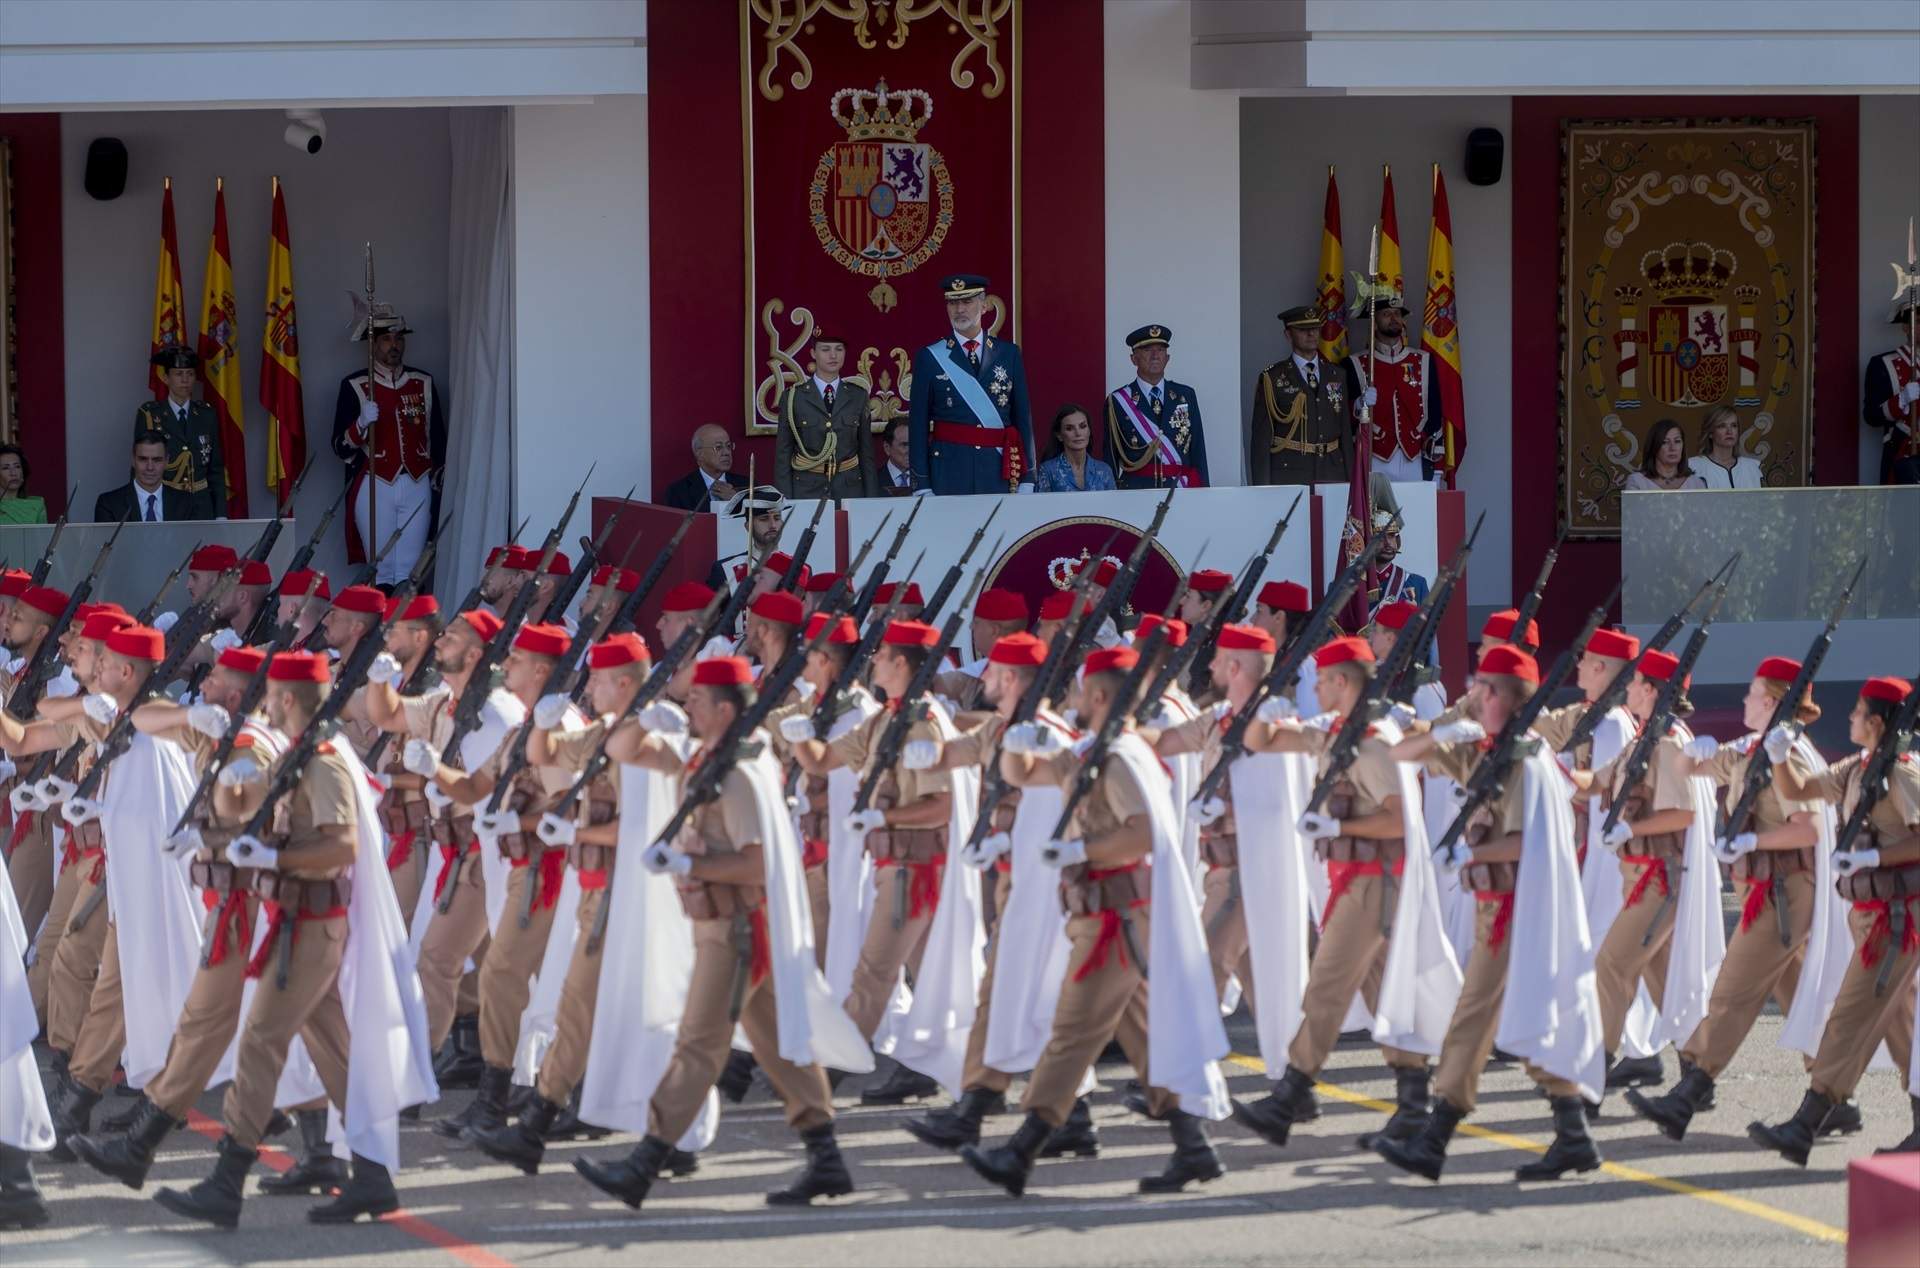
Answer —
457 830
221 876
87 836
1222 850
300 895
907 845
1387 850
601 811
1879 883
1089 895
521 845
590 858
709 900
1763 865
400 815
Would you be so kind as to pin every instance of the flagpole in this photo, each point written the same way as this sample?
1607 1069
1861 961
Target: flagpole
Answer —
373 433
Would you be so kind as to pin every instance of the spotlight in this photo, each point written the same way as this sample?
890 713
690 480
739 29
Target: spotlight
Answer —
306 130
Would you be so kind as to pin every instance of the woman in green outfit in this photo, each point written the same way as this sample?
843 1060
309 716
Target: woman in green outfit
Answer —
17 506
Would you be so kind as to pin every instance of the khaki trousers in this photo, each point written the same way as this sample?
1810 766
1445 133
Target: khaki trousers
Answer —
453 937
998 887
883 954
207 1022
507 972
1863 1015
47 942
1757 966
409 876
31 871
817 900
103 1031
1352 957
1623 965
1476 1019
974 1070
76 962
308 1006
1109 1002
1223 914
706 1035
566 1058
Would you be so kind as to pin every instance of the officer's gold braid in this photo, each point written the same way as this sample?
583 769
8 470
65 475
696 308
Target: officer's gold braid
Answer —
803 460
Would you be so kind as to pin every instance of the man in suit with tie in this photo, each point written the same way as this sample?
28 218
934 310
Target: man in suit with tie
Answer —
195 470
147 495
970 424
1154 436
896 466
1300 432
823 448
711 482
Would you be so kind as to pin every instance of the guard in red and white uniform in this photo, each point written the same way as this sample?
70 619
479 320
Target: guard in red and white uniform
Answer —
1892 402
1396 382
396 432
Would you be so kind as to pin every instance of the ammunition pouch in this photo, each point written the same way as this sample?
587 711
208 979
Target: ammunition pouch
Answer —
709 900
1084 891
299 896
1383 850
1880 884
457 830
401 813
1761 866
907 845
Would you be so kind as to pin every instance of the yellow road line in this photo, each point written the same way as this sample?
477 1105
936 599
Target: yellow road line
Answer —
1744 1206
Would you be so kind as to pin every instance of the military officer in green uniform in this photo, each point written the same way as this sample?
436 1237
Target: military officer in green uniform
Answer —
824 448
1300 432
1154 435
194 470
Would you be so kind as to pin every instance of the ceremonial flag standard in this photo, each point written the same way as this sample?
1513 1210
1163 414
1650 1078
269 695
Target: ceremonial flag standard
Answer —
220 359
1332 298
169 297
1355 534
1442 331
280 360
1390 271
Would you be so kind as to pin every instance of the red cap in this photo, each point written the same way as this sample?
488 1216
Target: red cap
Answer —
14 583
494 555
1614 643
1512 661
295 584
723 671
844 630
1500 625
1018 649
108 606
618 650
629 579
558 566
1778 668
1659 666
512 557
1001 605
138 642
910 634
299 667
781 606
1286 596
1892 690
1057 606
1208 581
419 608
1176 630
821 582
1394 616
542 639
101 624
885 594
362 599
255 573
243 660
45 599
213 559
778 563
1104 570
1246 638
1111 660
1341 650
688 596
483 623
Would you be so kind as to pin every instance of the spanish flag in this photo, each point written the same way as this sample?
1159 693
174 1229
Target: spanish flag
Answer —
169 297
1332 298
280 361
220 358
1390 272
1442 329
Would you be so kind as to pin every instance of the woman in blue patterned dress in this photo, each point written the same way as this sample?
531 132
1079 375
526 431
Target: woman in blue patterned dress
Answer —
1069 468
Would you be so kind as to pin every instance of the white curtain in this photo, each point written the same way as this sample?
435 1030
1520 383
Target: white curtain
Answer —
480 379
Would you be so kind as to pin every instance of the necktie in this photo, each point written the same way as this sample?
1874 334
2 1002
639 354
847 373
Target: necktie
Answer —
150 514
1313 377
973 352
1156 399
829 396
901 480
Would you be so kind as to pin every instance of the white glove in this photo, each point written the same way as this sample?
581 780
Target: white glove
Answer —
806 690
369 413
437 798
862 822
1321 721
79 810
662 718
100 707
1401 715
664 860
54 789
420 759
246 850
496 823
992 846
1701 748
164 622
1910 393
797 729
1315 826
184 842
556 831
62 685
920 754
1847 862
1064 853
1206 812
210 720
1728 850
1616 836
386 668
26 799
1465 731
1780 742
1370 396
241 770
1274 709
224 639
1020 737
381 780
1453 858
551 711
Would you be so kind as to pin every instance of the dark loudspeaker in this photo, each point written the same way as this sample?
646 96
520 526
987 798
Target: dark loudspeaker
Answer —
106 177
1486 149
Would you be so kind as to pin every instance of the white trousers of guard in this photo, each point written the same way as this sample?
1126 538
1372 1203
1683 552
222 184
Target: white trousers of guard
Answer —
393 502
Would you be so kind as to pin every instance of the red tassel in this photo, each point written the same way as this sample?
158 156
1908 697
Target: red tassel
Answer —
1108 940
1654 867
1750 910
21 826
276 916
402 852
761 962
1502 920
553 871
924 892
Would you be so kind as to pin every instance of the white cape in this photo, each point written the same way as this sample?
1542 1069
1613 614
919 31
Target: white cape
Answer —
850 893
540 1018
1829 940
1030 941
1421 981
25 1120
1699 941
503 714
1269 792
1600 880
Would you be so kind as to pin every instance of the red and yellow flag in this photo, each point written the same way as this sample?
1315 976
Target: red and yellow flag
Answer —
280 361
1442 329
169 297
1332 298
220 357
1390 271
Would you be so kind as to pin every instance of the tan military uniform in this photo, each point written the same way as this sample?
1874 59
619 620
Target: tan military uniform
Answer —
974 747
30 840
458 930
1222 913
1635 950
80 942
404 814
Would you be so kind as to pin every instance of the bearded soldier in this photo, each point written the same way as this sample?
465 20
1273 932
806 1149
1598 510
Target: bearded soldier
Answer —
1396 383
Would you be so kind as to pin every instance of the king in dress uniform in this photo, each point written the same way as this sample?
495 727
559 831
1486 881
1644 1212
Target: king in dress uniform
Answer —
1299 433
195 471
396 432
1153 423
824 448
1395 382
969 424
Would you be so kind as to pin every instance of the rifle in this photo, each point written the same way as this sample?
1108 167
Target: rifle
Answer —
805 548
624 614
1877 770
1490 776
304 556
33 678
567 590
1408 677
371 569
863 601
1226 613
1115 597
833 700
944 591
474 596
1531 603
146 614
44 565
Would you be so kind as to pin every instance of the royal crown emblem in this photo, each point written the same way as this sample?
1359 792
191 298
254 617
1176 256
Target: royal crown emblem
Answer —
1691 354
881 201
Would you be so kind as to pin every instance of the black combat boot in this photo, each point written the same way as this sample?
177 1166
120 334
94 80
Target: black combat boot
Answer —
277 1125
1673 1109
217 1198
1076 1136
122 1121
1635 1072
1793 1139
1426 1152
58 1078
22 1205
1704 1106
318 1171
72 1117
1842 1120
1193 1156
1010 1164
958 1124
486 1112
901 1085
568 1125
825 1175
459 1063
523 1143
127 1158
1272 1116
631 1177
1410 1108
1911 1144
736 1078
369 1192
1572 1148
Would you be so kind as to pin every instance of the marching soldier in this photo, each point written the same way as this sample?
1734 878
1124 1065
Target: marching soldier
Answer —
970 425
1396 382
1300 432
196 469
824 447
1153 423
30 866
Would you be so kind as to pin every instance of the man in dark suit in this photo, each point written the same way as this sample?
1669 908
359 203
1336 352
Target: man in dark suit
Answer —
895 474
970 424
194 470
148 495
823 448
1300 432
712 481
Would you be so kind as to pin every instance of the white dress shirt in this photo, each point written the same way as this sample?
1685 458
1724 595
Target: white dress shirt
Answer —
899 477
1303 362
140 501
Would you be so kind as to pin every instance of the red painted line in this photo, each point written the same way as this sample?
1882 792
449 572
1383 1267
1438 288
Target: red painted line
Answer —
412 1225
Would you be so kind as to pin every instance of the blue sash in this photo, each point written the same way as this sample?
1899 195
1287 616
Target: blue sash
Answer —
970 389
